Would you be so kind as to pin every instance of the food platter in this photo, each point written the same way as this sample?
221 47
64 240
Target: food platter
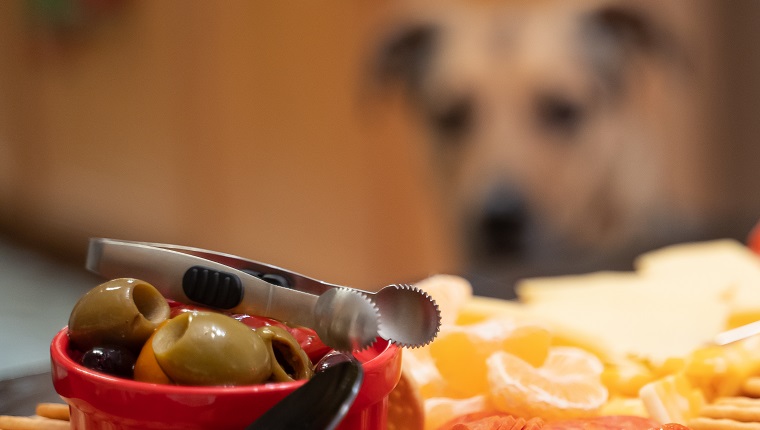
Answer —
584 351
652 331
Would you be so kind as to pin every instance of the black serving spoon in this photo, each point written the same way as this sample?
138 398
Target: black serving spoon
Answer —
319 404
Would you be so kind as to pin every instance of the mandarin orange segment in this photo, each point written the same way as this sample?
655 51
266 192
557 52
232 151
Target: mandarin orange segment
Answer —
405 406
442 410
451 293
568 385
460 352
670 366
147 368
568 362
626 377
420 368
529 342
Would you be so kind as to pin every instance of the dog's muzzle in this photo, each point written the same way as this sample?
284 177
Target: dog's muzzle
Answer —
501 224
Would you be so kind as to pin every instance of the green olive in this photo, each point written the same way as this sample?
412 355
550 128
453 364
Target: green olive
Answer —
122 312
208 348
289 361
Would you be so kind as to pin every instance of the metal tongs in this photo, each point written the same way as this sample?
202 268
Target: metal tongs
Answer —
344 318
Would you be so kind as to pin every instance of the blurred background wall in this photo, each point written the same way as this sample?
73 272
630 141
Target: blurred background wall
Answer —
233 126
240 126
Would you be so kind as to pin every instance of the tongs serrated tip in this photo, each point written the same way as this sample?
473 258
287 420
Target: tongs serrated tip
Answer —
411 318
346 319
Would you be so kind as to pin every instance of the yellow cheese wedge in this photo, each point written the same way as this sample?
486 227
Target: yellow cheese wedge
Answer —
648 318
679 298
672 399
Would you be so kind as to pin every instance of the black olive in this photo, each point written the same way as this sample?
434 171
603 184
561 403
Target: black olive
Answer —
329 360
113 360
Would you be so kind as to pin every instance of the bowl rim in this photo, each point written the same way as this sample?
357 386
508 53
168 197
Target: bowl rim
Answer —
59 356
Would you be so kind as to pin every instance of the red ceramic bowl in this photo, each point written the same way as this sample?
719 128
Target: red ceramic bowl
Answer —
99 401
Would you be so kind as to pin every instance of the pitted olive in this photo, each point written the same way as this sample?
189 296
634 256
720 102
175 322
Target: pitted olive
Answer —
123 312
289 360
208 348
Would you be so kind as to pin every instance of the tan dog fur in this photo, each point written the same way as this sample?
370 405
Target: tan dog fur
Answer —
634 169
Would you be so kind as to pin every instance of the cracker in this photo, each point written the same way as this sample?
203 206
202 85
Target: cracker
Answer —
56 411
8 422
738 401
732 412
704 423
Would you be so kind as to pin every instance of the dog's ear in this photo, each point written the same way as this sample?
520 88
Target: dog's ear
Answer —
617 33
403 55
628 27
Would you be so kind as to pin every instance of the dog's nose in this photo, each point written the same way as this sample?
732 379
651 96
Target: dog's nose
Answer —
503 222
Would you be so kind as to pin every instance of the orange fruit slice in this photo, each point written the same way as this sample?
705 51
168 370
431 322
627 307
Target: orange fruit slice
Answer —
567 385
147 368
460 352
405 407
420 368
753 240
451 293
626 376
442 410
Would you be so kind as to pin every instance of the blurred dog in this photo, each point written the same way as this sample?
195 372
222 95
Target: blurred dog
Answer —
563 133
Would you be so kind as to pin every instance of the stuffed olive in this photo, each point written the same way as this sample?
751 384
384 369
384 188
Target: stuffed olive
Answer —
289 360
122 312
209 348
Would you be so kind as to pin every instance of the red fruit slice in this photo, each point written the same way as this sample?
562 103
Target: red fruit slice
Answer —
753 241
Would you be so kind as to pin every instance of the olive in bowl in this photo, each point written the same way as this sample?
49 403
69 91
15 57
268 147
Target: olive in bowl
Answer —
208 348
122 312
289 360
100 401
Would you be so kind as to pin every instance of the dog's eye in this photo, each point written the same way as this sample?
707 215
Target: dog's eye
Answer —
454 120
559 114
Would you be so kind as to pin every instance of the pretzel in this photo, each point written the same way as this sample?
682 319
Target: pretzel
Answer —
8 422
56 411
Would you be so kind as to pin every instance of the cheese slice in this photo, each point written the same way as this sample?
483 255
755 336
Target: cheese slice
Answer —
634 321
679 298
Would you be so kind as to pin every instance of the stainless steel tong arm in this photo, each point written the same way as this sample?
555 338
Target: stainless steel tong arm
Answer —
343 320
166 269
